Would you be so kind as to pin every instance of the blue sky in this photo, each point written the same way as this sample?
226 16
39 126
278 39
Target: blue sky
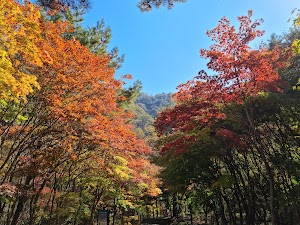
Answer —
161 47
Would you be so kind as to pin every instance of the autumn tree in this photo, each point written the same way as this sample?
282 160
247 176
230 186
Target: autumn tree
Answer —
226 104
18 45
96 38
68 150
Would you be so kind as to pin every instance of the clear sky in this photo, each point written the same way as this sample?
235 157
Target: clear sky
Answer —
161 47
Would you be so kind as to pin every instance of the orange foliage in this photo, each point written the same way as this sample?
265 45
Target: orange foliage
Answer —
241 75
81 92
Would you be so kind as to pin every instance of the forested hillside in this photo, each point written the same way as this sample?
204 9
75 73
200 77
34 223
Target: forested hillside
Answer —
145 109
153 104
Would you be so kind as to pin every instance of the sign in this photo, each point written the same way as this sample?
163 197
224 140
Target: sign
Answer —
102 217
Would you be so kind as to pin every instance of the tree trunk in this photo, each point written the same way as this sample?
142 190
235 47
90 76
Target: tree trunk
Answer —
21 202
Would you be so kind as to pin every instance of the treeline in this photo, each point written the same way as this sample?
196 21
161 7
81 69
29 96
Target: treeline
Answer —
66 147
230 146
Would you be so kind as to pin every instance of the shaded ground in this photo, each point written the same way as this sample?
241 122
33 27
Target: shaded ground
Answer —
159 221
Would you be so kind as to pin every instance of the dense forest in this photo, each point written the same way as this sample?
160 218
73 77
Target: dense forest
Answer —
74 140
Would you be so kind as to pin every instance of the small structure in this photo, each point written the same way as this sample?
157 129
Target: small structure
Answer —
103 217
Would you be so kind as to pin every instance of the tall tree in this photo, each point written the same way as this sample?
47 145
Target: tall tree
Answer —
243 75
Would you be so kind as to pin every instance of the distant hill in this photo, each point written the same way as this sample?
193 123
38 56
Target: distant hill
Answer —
146 107
152 104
